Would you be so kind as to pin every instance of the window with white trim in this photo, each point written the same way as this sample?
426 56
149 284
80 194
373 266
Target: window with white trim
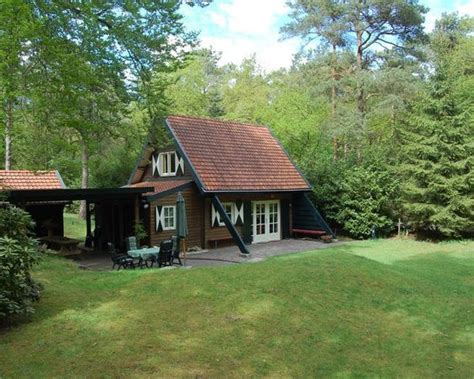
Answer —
168 163
230 211
169 217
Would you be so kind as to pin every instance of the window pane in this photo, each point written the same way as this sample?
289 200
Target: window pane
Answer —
169 217
172 163
164 164
228 210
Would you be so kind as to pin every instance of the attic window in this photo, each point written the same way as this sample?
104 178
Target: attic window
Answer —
168 163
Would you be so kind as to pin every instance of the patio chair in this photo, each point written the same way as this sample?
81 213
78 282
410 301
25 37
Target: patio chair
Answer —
131 243
119 260
166 252
175 253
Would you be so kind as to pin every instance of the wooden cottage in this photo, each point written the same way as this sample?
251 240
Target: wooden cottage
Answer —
239 184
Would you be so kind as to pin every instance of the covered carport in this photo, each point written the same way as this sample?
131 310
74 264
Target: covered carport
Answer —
116 210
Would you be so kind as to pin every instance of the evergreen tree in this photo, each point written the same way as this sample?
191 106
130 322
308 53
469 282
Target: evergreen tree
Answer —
363 26
438 138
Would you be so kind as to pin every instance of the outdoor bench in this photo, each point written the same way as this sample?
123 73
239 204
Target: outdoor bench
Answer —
308 231
219 239
317 233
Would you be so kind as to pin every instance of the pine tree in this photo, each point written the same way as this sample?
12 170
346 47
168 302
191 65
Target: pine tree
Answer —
438 139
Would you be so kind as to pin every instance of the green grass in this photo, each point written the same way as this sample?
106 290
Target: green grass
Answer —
75 227
368 309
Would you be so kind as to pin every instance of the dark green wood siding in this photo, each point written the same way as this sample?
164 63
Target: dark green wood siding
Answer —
247 227
285 218
306 216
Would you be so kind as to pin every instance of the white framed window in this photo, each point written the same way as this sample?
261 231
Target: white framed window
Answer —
168 163
169 217
230 210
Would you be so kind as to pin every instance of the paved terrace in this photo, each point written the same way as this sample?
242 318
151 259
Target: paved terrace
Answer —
222 256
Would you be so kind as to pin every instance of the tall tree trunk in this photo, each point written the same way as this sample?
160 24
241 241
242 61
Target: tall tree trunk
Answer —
84 176
360 60
333 103
361 103
8 135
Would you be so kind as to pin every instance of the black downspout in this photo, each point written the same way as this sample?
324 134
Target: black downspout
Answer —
230 226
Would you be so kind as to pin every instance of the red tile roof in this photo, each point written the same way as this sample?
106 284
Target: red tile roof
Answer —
30 180
160 186
231 156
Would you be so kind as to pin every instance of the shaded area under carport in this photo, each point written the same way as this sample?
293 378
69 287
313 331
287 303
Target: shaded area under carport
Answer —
116 210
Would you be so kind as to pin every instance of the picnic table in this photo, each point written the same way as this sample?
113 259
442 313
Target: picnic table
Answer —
65 245
145 254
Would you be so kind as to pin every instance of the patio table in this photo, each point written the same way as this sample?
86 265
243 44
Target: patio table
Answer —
145 254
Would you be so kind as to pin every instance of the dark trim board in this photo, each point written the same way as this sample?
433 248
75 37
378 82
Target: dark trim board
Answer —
169 192
90 194
230 226
180 149
289 158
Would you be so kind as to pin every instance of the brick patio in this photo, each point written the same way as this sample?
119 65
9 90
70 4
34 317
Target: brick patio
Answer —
222 256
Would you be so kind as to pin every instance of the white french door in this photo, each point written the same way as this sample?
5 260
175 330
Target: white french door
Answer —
266 220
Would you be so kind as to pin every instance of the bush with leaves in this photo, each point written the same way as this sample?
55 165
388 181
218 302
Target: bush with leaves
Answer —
367 201
18 254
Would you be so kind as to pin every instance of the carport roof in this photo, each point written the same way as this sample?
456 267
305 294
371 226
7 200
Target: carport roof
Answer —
90 194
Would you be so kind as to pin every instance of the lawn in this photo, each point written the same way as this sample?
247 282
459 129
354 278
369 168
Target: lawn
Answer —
75 227
364 309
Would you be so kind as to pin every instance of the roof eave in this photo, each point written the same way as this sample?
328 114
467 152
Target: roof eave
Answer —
289 158
182 151
141 157
167 192
269 190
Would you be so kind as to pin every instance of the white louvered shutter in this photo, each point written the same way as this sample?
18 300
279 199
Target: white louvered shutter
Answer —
214 217
239 214
158 216
154 165
158 164
181 165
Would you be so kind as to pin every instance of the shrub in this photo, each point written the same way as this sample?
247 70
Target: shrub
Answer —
366 202
18 254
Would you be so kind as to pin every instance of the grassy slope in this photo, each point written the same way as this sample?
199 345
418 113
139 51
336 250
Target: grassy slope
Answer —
367 309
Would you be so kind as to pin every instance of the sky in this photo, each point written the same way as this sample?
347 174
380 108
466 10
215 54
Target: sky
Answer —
240 28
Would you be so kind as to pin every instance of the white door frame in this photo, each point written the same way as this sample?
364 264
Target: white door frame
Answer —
267 236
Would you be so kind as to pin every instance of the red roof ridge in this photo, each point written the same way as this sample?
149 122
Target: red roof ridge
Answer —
28 171
218 121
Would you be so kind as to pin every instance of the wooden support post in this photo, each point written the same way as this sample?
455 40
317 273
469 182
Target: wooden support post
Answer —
137 210
88 241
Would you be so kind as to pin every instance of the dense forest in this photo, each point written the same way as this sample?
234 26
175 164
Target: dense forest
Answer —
376 112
